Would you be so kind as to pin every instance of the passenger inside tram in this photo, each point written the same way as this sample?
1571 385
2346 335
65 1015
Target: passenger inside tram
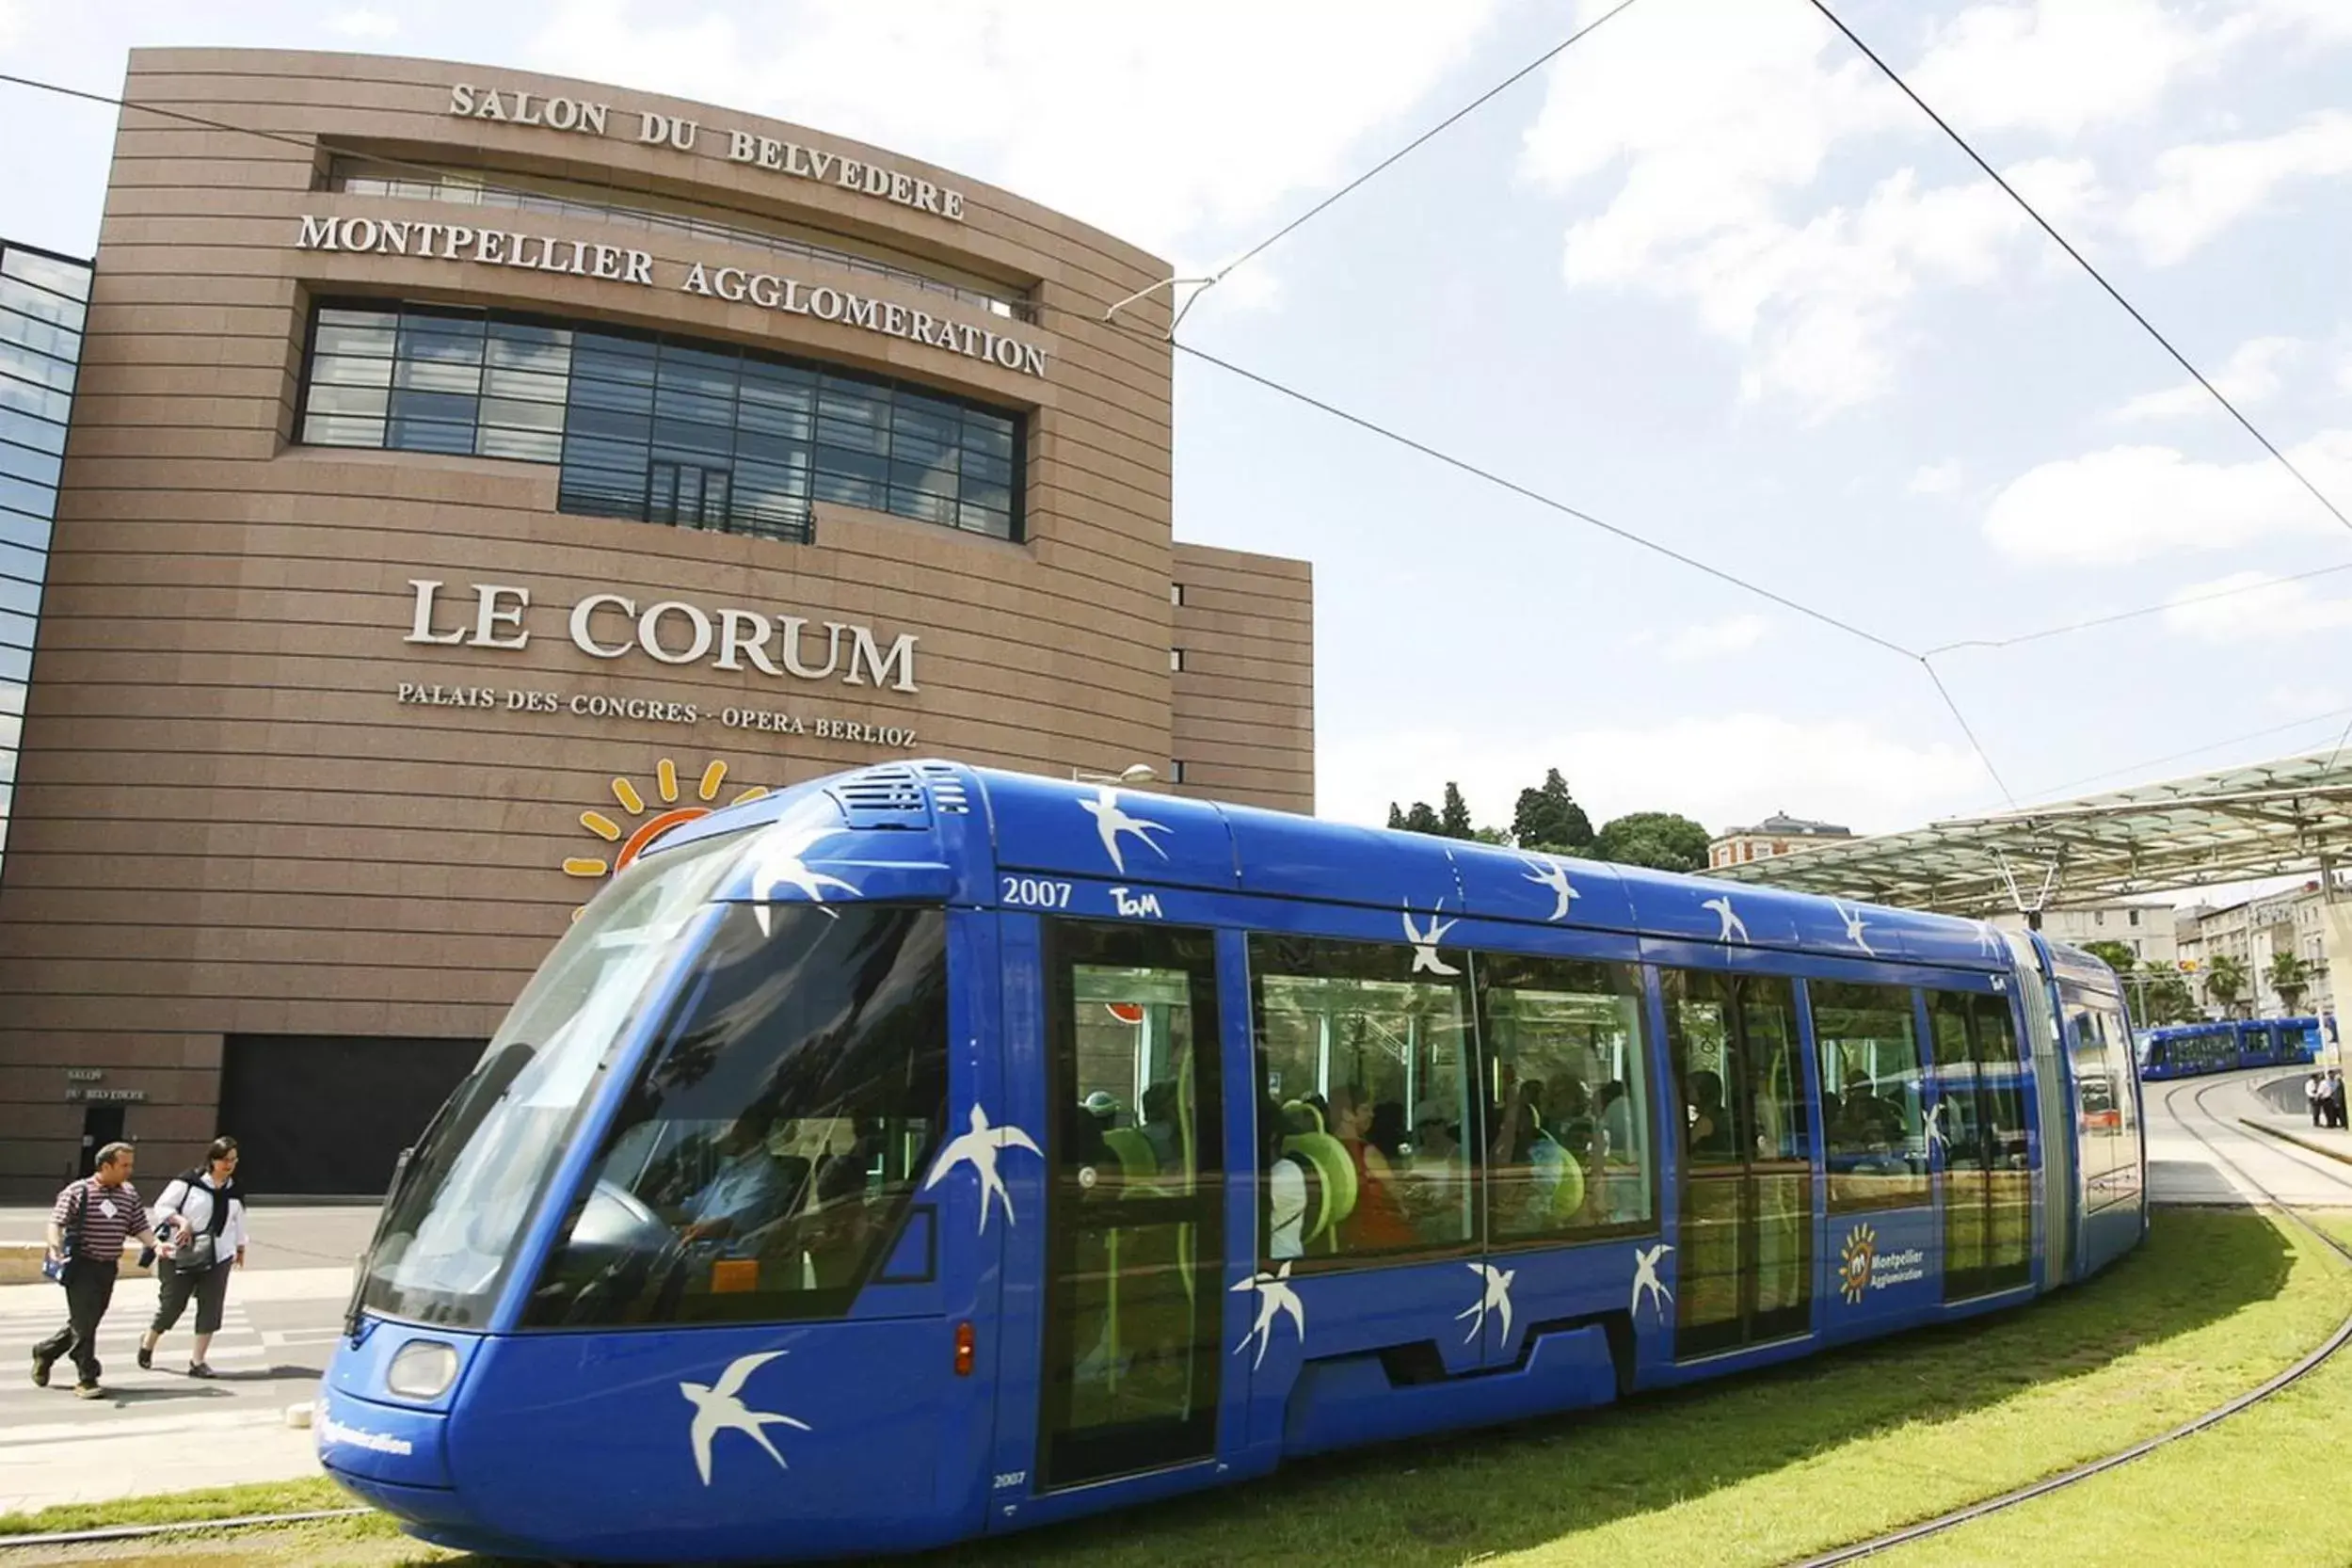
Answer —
1378 1223
1710 1122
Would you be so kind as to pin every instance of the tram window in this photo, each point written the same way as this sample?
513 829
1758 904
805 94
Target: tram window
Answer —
1129 1108
453 1222
2099 1109
766 1154
1568 1149
1871 1114
1368 1062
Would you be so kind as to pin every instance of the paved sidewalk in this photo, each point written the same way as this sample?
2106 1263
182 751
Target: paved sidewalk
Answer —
160 1430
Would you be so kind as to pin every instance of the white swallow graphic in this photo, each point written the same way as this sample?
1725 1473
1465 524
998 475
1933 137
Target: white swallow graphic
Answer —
978 1148
776 863
1496 1299
1645 1279
1110 820
1275 1297
1425 942
1549 872
1735 929
1935 1125
720 1408
1853 925
1987 939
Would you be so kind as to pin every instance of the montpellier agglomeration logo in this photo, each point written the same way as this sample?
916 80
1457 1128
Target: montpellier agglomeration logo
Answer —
1862 1268
646 822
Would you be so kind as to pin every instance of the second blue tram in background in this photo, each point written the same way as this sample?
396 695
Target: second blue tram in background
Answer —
924 1152
2188 1051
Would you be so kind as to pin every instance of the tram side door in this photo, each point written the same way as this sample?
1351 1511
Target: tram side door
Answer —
1134 1304
1745 1189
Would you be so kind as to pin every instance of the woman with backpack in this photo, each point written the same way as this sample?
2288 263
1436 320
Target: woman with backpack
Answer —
205 1212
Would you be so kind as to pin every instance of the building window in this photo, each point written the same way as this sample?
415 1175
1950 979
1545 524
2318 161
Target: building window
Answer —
1176 593
41 304
1176 773
1176 658
2135 917
658 428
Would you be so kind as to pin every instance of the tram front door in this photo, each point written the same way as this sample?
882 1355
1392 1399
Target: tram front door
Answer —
1134 1208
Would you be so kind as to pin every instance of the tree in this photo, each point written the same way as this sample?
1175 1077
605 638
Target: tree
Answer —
1422 820
1454 820
2117 956
2225 980
1548 818
2164 997
2289 975
1395 818
1660 840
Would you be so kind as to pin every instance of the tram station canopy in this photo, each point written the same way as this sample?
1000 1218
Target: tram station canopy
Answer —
2266 819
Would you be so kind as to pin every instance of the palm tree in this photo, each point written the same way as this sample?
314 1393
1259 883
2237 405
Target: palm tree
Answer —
2225 982
2289 975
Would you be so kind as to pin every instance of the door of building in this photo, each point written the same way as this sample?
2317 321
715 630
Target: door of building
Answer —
329 1115
100 1125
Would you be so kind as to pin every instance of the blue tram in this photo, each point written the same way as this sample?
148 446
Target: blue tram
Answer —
927 1152
2187 1051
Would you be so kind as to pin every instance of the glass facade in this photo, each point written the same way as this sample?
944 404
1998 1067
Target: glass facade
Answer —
42 301
659 428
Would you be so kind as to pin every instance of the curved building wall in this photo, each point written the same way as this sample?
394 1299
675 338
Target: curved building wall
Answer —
325 742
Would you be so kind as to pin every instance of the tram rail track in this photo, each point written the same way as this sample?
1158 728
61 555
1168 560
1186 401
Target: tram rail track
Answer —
1923 1529
1945 1522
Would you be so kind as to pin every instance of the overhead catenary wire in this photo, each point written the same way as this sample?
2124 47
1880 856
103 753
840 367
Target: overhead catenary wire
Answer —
2089 623
1720 574
2080 259
1397 156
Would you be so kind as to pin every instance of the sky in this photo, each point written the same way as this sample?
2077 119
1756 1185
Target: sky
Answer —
1708 277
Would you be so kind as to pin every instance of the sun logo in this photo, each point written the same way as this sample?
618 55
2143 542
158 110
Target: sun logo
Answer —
635 839
1854 1261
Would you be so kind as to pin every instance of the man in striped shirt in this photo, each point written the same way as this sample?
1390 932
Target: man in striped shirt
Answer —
93 1221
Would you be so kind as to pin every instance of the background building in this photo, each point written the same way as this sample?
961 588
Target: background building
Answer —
2252 935
2147 929
1778 834
479 472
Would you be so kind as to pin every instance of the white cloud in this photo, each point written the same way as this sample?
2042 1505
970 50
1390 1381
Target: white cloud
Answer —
2062 66
1937 478
1717 121
2250 376
365 25
2328 21
1154 122
1715 639
2203 187
2132 503
2266 613
1721 770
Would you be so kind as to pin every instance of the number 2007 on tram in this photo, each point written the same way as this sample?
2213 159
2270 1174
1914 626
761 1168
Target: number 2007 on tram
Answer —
927 1152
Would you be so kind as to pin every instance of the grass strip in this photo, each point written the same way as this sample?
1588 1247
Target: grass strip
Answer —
1758 1470
2239 1493
175 1508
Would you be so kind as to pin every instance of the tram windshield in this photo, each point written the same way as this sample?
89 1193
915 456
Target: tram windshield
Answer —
456 1217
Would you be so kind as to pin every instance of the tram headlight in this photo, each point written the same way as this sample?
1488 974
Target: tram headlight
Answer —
423 1369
